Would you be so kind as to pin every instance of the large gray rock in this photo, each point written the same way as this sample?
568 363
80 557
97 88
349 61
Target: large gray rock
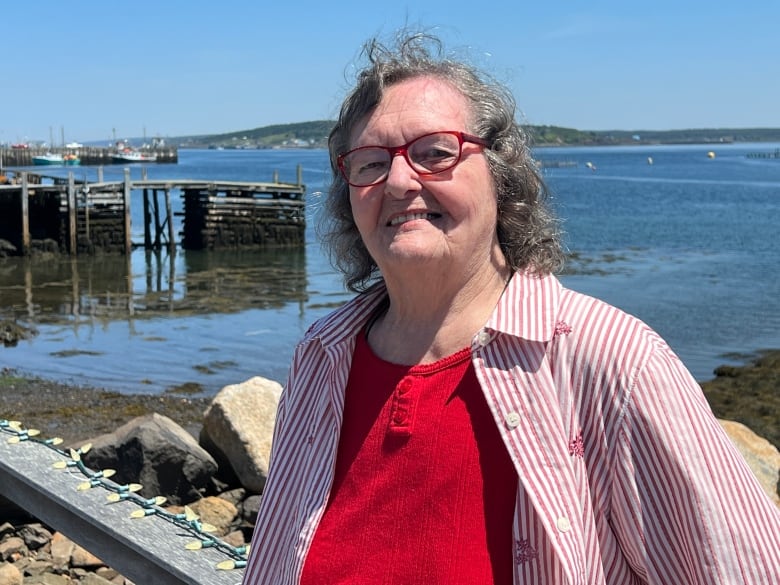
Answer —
156 452
238 427
762 457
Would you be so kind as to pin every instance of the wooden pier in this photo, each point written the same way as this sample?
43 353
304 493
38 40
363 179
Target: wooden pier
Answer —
79 217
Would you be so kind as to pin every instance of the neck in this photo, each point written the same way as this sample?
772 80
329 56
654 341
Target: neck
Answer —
430 318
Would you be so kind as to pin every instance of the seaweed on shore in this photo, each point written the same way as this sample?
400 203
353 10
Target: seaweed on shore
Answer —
749 394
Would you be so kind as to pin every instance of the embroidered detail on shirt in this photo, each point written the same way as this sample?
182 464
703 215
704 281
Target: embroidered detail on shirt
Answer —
562 328
577 446
524 552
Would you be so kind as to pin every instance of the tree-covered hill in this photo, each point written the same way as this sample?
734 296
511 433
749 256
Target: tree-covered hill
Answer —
314 135
302 135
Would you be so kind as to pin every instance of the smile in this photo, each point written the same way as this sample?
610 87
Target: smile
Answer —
412 216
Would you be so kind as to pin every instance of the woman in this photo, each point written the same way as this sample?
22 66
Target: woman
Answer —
466 419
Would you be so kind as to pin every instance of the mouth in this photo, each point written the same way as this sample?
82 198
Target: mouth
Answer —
399 219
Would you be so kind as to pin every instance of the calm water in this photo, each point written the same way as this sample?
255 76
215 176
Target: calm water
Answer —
689 244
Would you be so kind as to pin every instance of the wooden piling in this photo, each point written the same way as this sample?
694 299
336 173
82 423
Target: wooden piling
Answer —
169 219
25 195
72 214
72 233
147 221
157 225
128 234
85 192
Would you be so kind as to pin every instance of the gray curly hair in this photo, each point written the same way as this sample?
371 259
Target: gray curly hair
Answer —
527 231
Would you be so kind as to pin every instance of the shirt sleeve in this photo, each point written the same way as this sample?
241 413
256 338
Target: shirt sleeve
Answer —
685 506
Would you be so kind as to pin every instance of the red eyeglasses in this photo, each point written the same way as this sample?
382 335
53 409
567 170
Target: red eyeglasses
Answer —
427 155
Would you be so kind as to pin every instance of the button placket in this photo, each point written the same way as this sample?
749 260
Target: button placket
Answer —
401 415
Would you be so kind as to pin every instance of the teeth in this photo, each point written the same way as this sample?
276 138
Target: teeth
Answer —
411 216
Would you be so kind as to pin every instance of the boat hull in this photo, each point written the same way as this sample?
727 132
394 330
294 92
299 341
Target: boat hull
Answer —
48 159
133 158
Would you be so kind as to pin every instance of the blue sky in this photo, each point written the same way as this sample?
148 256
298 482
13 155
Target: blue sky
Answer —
90 70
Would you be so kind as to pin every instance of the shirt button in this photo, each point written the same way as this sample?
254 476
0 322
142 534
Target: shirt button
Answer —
563 524
483 338
404 386
512 419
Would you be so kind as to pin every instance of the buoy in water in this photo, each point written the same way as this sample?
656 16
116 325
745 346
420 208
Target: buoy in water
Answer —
649 160
590 165
710 154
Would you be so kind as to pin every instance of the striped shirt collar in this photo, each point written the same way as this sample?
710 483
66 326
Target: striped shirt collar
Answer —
526 310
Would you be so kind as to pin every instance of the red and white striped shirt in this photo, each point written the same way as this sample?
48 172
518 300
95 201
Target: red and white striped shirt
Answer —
624 474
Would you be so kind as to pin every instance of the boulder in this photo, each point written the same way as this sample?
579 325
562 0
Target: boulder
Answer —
156 452
238 427
10 575
218 512
762 457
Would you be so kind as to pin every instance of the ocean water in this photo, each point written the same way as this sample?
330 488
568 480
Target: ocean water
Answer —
688 243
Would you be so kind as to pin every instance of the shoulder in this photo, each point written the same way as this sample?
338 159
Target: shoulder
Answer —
603 346
347 320
594 322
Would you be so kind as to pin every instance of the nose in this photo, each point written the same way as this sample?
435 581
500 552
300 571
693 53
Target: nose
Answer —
401 177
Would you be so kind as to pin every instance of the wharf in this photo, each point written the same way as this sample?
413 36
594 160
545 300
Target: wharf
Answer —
774 154
56 214
87 155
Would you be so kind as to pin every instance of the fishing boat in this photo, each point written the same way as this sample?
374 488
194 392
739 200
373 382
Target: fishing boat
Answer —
133 156
48 159
71 159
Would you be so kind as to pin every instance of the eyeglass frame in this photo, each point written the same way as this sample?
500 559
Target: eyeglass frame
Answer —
394 151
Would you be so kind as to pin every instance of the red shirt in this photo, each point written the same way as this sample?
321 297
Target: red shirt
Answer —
424 490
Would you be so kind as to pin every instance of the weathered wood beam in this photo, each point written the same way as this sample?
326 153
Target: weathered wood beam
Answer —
146 550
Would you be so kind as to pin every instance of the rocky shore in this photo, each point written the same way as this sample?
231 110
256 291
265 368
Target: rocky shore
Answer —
77 413
749 394
33 553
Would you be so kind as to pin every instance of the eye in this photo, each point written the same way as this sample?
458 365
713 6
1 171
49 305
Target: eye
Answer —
435 152
367 160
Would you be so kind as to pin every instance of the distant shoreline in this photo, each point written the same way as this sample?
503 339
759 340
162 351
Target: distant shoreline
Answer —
314 134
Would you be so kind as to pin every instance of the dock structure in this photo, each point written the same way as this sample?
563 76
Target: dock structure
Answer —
774 154
236 215
87 155
79 217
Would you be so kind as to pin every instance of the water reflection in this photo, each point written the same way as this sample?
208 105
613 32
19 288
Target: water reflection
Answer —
61 289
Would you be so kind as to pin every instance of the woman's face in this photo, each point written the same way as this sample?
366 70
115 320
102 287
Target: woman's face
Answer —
413 221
